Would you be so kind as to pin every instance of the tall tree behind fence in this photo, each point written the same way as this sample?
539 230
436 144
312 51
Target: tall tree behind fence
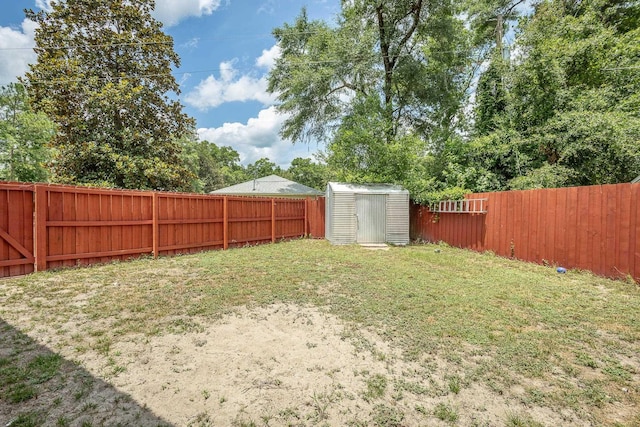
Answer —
52 226
593 228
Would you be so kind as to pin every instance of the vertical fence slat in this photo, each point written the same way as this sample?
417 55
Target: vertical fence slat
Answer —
41 228
571 220
634 235
155 225
273 220
225 223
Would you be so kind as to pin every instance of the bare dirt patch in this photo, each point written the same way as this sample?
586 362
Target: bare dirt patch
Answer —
277 365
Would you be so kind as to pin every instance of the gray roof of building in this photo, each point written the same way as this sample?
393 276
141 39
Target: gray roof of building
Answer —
272 185
637 180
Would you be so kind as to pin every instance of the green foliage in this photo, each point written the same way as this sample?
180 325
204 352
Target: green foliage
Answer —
263 167
360 153
380 86
450 193
102 75
309 173
214 167
446 413
24 136
565 112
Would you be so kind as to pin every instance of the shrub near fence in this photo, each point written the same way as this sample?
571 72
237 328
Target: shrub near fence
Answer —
77 225
593 228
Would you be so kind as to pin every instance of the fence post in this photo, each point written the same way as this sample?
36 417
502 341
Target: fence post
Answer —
273 220
156 225
40 221
225 223
306 216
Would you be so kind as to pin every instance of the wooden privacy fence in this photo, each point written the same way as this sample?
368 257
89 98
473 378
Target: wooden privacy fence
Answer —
52 226
593 228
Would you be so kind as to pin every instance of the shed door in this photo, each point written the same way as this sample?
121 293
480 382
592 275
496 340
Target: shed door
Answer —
371 218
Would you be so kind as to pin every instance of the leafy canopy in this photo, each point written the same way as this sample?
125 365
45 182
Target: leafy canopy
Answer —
24 136
103 75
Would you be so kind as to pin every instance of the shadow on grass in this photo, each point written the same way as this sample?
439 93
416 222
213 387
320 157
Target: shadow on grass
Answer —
39 387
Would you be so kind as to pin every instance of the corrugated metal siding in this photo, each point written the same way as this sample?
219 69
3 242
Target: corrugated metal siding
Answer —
371 213
398 219
328 214
343 219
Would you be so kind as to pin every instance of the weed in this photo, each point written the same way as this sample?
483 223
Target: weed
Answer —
206 395
376 386
43 367
521 420
454 383
201 420
618 372
585 359
21 392
29 419
385 416
421 409
411 387
102 345
89 406
446 413
289 414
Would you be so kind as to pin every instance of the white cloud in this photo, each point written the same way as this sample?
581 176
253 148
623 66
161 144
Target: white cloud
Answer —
16 51
44 4
258 138
170 12
213 91
268 58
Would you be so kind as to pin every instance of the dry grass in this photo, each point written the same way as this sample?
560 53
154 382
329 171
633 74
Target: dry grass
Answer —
564 343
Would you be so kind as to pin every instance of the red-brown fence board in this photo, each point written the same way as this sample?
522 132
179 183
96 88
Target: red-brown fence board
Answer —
16 229
189 223
290 218
593 228
87 226
315 217
249 221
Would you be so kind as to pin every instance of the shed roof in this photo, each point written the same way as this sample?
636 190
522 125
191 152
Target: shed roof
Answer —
272 185
344 187
637 180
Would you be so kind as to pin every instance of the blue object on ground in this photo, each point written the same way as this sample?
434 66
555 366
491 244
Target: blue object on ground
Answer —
561 270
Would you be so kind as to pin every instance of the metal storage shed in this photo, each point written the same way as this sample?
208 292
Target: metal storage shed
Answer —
366 213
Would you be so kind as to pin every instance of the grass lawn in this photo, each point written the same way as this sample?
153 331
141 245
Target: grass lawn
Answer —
458 338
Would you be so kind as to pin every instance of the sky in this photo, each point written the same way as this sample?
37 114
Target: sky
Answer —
226 49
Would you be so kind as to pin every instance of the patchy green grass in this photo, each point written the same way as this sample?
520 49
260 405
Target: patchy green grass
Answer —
569 341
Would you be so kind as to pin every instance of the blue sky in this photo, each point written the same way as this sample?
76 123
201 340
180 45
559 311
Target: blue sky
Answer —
226 49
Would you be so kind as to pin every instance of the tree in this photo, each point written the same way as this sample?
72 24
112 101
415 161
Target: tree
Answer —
566 111
263 167
309 173
102 74
386 77
24 136
214 167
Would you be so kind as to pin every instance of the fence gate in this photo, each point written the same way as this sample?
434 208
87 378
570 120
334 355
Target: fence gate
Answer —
371 218
16 230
